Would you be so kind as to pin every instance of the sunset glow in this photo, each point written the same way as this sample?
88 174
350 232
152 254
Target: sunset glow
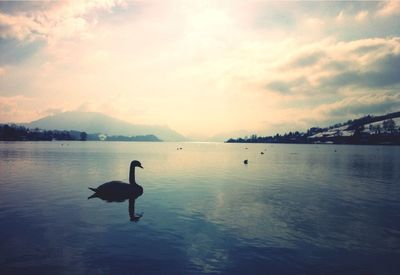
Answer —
201 67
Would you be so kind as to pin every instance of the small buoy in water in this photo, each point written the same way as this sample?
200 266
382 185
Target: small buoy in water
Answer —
262 153
245 161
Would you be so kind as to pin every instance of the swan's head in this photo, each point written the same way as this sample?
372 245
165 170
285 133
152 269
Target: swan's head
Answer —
136 163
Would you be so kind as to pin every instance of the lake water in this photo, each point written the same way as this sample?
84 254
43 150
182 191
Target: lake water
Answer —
296 209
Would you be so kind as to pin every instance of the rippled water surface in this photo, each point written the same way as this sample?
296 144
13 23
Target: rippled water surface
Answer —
300 209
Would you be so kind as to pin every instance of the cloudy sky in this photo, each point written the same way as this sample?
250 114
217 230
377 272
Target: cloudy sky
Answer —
201 67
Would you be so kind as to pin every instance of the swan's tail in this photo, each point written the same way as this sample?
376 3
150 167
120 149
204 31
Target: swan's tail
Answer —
94 195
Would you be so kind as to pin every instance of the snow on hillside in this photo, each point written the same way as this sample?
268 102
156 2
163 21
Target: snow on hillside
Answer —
334 132
374 125
342 130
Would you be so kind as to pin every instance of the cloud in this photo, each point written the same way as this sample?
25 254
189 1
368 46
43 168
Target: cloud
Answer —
368 48
13 108
361 16
54 20
367 104
287 87
389 8
52 111
13 51
366 63
382 73
85 107
307 59
340 18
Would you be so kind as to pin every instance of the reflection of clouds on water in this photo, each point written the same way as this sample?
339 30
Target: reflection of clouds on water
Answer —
248 219
205 253
233 208
326 214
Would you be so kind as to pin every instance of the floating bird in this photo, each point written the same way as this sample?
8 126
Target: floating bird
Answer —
245 161
262 153
119 191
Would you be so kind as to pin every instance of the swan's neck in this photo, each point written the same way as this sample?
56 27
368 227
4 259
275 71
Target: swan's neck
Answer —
132 176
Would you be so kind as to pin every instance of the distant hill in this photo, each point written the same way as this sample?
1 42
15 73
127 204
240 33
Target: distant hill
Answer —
369 129
94 122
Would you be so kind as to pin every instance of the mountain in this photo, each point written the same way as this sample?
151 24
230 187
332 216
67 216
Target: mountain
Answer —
94 122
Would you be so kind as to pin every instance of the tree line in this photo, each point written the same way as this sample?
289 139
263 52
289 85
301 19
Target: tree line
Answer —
15 132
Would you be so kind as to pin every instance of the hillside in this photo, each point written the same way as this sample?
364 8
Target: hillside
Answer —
93 122
365 126
365 130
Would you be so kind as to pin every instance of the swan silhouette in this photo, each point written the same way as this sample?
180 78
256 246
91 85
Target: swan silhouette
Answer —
118 191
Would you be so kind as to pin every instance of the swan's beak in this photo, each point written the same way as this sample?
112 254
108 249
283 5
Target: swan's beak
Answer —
141 166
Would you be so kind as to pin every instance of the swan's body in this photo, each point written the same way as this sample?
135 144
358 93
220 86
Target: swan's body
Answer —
118 190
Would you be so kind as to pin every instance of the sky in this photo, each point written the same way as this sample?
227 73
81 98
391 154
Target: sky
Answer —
203 68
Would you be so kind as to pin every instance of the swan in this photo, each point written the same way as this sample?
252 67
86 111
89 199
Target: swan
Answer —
120 191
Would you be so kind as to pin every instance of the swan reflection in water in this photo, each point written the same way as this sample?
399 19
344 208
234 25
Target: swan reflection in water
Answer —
118 191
